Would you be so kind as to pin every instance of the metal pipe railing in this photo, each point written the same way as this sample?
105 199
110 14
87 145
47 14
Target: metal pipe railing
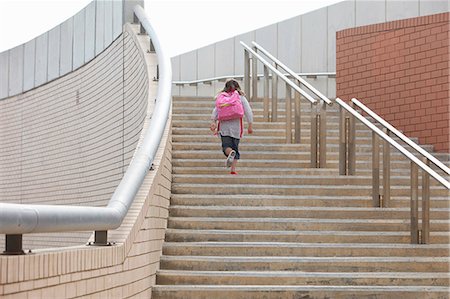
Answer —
400 135
19 219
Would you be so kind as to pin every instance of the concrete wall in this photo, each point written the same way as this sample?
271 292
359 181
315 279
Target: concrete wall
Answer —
306 43
126 269
400 70
71 140
64 48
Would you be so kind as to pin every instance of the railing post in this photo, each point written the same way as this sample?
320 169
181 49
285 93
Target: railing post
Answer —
342 142
101 238
297 123
247 73
351 144
313 137
288 114
266 93
414 203
323 135
425 204
375 170
254 77
386 172
274 96
13 245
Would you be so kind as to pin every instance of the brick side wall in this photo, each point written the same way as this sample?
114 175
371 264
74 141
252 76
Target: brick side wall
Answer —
70 141
400 70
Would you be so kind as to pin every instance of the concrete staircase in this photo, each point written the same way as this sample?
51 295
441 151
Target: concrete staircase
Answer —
283 230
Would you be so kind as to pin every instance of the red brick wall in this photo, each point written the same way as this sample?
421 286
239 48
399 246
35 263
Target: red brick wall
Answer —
400 70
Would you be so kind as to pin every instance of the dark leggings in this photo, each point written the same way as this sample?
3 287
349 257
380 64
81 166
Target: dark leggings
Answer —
231 142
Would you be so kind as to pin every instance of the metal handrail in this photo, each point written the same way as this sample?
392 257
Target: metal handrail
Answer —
218 78
279 74
395 144
18 219
293 74
401 136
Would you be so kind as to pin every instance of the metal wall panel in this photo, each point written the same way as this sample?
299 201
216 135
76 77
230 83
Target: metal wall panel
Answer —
117 7
4 73
79 24
29 64
108 23
175 74
66 47
15 70
188 71
89 32
370 12
247 38
40 75
430 7
99 26
401 9
205 67
289 49
54 43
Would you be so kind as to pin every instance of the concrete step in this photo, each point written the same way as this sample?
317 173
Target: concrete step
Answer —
304 249
178 277
287 201
300 224
307 291
200 235
300 212
327 190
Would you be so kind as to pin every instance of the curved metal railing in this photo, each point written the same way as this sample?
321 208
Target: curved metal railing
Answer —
19 219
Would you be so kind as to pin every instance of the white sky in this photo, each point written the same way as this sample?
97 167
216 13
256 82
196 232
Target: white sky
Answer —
182 25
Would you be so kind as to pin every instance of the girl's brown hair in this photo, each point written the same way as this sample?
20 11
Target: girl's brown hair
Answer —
233 84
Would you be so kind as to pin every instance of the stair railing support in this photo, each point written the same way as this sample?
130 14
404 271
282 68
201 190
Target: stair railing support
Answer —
375 170
254 77
386 172
13 245
274 96
414 204
288 114
322 123
425 204
342 143
351 144
247 72
314 121
266 93
297 122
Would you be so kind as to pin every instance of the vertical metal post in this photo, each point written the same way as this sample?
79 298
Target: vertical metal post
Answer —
266 93
342 143
375 170
425 204
297 122
414 203
13 245
247 73
313 137
351 144
274 96
323 136
254 77
386 172
288 114
101 237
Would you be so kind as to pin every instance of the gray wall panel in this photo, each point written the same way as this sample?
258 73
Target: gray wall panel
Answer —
289 49
99 26
267 37
205 69
188 71
4 73
89 35
175 74
336 23
247 38
117 18
16 70
54 44
108 23
224 60
401 9
29 64
370 12
79 24
66 47
40 75
429 7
